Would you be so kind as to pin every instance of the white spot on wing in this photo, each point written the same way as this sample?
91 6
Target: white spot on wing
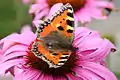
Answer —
63 60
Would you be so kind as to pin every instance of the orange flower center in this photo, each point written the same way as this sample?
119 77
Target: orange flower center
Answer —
77 4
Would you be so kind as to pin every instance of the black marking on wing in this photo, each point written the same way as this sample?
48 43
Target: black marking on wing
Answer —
70 31
35 50
42 24
45 23
64 57
70 23
65 54
54 54
59 12
60 28
40 30
70 14
69 8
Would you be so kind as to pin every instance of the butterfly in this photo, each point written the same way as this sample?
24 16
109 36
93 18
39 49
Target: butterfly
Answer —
54 38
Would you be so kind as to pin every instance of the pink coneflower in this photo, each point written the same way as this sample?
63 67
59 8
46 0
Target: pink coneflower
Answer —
85 64
84 10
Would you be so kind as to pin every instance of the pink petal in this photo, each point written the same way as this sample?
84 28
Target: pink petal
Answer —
6 42
4 66
103 50
45 77
36 8
91 46
60 78
90 75
23 38
107 4
32 74
82 34
71 77
93 9
16 48
14 55
83 16
37 20
37 23
55 8
103 62
98 13
27 75
15 70
95 70
26 28
39 15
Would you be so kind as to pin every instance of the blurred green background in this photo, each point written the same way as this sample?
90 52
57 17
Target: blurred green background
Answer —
14 14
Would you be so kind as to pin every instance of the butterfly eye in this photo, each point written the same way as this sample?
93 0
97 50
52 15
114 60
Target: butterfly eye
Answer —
49 45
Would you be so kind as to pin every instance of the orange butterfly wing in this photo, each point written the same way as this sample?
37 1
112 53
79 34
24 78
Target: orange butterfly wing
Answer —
62 22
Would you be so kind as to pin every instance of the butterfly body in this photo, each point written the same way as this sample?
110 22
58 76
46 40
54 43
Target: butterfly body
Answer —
54 38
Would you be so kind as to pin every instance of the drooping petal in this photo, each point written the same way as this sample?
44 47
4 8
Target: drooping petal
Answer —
94 71
90 45
83 72
99 54
8 41
16 48
6 65
14 55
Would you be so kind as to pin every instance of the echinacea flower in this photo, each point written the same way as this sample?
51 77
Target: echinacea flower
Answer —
84 10
85 64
